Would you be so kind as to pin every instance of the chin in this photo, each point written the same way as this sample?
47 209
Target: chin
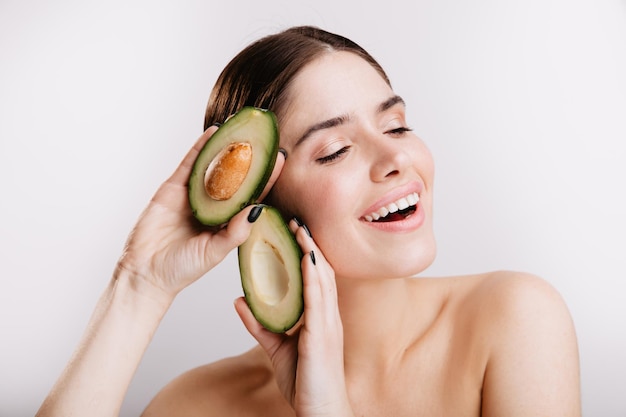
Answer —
416 261
405 264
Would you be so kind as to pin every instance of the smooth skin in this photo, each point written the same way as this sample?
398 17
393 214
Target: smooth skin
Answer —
374 340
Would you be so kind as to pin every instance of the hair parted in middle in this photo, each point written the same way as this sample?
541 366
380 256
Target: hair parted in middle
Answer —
260 74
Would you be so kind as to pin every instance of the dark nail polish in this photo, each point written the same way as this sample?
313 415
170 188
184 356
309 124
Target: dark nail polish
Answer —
312 255
284 152
255 213
301 224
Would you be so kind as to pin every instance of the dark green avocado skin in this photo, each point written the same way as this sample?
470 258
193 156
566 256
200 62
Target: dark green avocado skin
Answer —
271 229
260 128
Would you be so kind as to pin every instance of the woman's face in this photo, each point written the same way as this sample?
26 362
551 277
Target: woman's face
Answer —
351 158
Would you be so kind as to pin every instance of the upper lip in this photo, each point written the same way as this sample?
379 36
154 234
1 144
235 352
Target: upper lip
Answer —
393 196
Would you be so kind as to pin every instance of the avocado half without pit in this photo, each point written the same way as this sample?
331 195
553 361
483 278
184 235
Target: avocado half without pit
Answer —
234 166
271 276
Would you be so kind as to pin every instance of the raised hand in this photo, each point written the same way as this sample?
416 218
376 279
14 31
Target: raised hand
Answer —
308 362
168 248
166 251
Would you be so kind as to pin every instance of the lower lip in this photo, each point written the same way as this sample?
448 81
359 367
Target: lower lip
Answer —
408 224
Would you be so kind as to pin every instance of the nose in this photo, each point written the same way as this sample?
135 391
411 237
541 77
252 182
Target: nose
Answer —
389 159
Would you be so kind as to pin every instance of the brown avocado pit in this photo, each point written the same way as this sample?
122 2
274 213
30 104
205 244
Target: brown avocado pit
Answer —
228 170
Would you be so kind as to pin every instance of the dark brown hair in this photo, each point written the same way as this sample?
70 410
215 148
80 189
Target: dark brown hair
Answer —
260 74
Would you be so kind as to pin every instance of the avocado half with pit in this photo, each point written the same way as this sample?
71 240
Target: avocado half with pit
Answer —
271 275
234 166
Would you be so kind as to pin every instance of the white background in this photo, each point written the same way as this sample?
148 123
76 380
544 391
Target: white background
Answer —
523 104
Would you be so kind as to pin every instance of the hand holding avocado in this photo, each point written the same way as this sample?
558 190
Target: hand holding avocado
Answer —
167 247
171 250
308 361
231 172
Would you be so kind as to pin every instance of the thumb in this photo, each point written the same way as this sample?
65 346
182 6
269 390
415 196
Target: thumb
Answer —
269 341
232 235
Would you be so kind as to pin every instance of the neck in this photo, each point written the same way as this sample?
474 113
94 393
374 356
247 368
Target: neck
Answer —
382 318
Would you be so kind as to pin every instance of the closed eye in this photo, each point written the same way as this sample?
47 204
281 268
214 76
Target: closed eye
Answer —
333 156
399 131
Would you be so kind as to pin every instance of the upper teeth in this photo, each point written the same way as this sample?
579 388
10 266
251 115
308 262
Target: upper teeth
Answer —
400 204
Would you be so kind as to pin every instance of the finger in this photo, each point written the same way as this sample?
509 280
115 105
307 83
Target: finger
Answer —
269 341
312 290
181 174
320 290
303 235
278 167
219 244
307 244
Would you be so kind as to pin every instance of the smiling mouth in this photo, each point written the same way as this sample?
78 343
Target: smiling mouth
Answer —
398 210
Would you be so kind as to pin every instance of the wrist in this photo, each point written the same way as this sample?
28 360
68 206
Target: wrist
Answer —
117 335
333 408
340 412
135 292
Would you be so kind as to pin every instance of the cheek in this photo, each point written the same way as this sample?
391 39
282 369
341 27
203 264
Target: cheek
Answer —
320 200
307 196
278 197
426 163
328 212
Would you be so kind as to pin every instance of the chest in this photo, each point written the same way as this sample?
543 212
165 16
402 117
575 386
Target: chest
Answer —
427 397
442 376
445 390
438 396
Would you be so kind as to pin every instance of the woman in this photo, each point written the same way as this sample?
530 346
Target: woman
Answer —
374 340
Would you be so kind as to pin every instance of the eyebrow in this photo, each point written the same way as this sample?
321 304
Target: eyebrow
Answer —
339 120
326 124
389 103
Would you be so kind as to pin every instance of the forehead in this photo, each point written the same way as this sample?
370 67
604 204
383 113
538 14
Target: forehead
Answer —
335 84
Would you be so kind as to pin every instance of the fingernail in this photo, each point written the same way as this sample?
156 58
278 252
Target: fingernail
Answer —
255 213
217 124
284 152
302 225
312 255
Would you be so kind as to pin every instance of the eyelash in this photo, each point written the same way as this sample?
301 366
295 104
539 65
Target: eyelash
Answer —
329 158
400 130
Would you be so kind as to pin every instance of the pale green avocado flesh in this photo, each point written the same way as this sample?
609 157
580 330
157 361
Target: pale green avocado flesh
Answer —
271 276
250 126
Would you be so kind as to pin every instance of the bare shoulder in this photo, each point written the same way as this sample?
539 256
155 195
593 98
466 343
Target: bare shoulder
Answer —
532 366
512 289
240 385
508 305
511 298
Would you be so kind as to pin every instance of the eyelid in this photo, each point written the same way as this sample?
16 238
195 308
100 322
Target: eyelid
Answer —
395 122
399 130
333 156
